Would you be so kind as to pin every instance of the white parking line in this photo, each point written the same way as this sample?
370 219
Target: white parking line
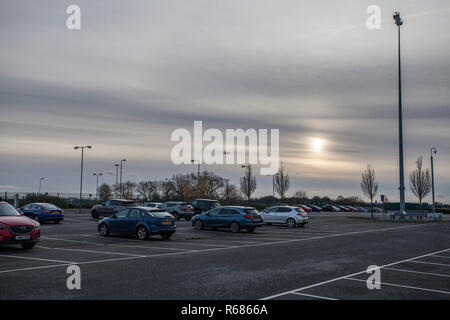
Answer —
347 276
313 296
112 244
400 286
257 245
419 272
440 256
102 252
432 263
38 259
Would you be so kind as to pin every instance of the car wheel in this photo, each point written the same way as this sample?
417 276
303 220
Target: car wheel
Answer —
142 233
177 217
166 235
104 230
198 225
36 218
251 229
95 214
235 227
28 245
290 223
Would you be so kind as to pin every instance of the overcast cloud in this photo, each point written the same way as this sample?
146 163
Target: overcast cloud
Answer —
137 70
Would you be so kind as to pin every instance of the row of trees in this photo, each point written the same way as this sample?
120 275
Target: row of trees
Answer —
419 182
206 184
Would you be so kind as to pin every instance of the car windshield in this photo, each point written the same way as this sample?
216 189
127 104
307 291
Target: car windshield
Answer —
49 206
159 213
7 210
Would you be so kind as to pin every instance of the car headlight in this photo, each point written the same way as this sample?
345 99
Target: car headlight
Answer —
37 225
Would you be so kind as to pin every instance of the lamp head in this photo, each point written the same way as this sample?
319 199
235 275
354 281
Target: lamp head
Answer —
433 150
76 148
398 20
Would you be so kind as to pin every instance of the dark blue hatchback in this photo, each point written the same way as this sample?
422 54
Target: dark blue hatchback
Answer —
234 218
140 221
43 212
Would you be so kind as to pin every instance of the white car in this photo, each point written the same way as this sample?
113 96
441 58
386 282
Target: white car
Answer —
288 215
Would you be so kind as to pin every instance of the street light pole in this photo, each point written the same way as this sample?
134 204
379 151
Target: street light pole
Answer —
81 173
96 188
121 187
399 23
40 181
198 176
433 150
117 178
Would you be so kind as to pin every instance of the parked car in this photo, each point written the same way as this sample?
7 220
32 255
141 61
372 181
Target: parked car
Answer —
361 209
151 204
315 208
288 215
203 205
140 221
352 209
16 228
43 212
179 209
234 218
330 208
343 208
110 207
305 208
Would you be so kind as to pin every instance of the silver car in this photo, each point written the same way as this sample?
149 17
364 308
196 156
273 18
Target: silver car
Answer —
288 215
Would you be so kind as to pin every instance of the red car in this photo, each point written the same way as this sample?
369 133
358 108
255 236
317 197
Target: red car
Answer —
305 208
17 229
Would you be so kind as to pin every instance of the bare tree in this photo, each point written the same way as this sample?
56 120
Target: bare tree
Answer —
369 186
148 190
420 181
128 189
300 196
248 183
282 182
105 192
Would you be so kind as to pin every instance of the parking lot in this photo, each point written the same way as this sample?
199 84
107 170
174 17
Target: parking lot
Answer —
326 259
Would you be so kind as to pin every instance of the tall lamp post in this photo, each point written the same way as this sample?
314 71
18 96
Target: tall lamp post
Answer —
81 173
399 22
121 186
433 150
40 183
198 175
96 188
117 178
273 186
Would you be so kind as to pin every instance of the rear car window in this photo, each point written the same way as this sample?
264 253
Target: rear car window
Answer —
159 213
299 210
49 206
252 212
8 210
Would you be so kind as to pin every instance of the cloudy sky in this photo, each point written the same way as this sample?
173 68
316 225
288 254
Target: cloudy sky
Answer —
137 70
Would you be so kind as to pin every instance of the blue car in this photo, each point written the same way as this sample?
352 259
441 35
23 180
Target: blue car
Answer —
43 212
234 218
140 221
